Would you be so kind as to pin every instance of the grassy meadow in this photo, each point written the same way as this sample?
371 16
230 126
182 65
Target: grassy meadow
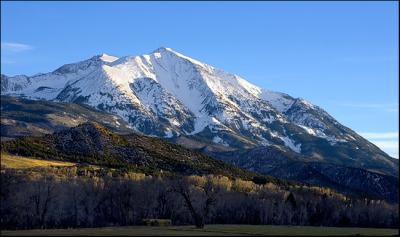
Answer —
18 162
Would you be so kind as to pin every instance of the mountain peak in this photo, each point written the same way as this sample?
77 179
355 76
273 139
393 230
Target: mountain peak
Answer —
103 57
170 52
163 49
106 58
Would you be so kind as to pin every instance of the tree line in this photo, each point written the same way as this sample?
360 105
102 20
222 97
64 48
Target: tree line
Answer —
69 198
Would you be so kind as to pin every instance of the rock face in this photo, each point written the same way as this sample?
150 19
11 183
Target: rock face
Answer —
169 95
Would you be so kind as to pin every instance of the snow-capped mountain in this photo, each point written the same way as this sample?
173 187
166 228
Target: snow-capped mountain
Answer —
169 95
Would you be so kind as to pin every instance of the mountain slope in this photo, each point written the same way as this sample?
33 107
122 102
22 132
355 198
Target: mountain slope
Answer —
167 94
277 163
94 144
24 117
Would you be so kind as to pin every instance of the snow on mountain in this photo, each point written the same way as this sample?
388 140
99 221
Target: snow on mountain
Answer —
167 94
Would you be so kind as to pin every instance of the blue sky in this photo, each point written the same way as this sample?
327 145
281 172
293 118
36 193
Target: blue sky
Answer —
341 56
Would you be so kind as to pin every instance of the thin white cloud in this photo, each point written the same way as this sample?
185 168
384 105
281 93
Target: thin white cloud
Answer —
12 47
393 152
383 135
386 144
390 147
386 141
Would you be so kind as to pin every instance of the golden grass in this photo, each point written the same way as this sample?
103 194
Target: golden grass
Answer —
18 162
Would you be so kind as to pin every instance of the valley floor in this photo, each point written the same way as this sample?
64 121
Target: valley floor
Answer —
209 230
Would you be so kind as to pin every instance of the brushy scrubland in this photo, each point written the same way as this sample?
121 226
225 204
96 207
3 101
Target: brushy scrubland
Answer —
87 196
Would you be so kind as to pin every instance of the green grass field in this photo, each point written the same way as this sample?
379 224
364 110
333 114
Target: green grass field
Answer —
210 230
